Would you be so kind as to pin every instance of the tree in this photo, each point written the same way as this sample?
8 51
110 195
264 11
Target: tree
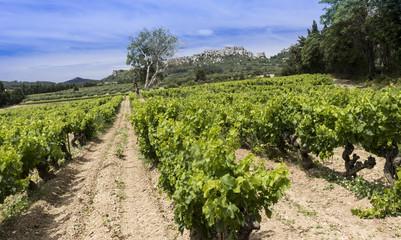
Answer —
16 96
200 75
355 17
311 54
387 22
149 52
293 65
2 89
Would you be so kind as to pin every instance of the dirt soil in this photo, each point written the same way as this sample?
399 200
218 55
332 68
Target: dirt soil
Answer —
346 83
101 196
314 208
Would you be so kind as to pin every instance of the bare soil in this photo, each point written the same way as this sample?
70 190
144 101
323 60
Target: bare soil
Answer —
347 83
314 208
101 196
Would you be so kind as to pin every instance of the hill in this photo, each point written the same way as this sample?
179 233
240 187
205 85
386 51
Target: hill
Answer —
228 63
79 80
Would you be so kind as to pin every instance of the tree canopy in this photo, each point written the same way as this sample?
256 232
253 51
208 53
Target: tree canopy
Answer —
360 37
2 89
149 52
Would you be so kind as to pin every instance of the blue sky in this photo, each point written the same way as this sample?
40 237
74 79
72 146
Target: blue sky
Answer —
57 40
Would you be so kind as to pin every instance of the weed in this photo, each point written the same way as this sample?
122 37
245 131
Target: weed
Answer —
120 194
120 183
329 187
119 152
358 185
307 213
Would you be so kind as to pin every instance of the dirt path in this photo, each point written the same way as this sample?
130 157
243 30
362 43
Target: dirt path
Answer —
314 208
346 83
101 196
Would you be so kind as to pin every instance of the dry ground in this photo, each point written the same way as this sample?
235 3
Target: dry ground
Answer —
314 208
101 196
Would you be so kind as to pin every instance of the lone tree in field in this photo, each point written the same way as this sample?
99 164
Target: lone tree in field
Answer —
150 51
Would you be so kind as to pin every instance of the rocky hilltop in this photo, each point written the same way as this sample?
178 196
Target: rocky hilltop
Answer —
217 55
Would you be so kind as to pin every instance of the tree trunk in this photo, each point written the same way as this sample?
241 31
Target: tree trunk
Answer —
292 140
136 85
371 60
352 166
392 163
147 85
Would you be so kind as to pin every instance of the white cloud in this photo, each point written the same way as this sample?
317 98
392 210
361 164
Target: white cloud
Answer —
57 29
205 32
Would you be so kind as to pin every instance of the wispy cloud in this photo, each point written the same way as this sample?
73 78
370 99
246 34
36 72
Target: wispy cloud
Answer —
43 30
205 32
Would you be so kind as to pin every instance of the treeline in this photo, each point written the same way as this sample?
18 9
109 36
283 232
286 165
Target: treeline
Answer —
359 38
10 97
16 95
40 88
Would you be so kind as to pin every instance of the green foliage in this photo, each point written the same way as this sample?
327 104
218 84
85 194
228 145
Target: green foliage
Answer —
119 151
12 97
2 89
293 65
98 91
261 111
221 69
12 207
149 50
358 185
37 136
194 144
359 38
388 203
200 75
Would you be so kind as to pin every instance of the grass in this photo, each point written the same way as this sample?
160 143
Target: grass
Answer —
306 213
123 139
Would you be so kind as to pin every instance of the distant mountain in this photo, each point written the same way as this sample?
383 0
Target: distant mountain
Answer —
78 80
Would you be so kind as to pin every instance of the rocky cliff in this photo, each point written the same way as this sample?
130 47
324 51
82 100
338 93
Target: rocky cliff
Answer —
216 55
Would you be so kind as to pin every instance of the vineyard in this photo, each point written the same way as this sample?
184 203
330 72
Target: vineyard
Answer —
204 145
37 138
192 133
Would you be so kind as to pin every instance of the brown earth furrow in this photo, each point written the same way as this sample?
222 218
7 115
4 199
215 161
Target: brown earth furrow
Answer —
99 195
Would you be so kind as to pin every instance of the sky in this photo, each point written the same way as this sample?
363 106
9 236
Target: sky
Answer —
57 40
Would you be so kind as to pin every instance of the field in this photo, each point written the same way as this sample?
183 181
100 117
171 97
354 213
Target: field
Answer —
84 92
227 154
